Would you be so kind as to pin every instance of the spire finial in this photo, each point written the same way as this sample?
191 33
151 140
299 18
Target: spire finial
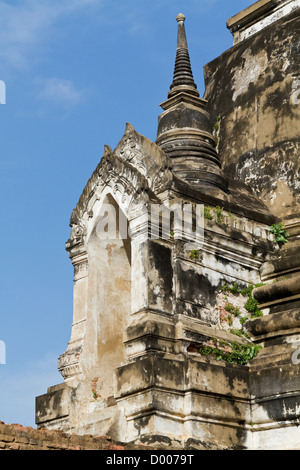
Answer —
183 77
180 17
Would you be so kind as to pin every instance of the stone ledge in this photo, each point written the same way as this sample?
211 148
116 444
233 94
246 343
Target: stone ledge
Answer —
249 15
256 17
279 291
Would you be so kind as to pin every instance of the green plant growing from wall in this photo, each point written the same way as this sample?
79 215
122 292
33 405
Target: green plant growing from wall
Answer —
236 312
194 254
229 307
244 319
219 211
250 305
239 332
280 233
234 289
207 213
247 291
232 352
217 123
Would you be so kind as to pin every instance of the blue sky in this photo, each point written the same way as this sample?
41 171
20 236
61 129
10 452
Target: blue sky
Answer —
75 72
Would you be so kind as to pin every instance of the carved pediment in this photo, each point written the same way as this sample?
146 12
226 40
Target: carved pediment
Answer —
136 165
147 157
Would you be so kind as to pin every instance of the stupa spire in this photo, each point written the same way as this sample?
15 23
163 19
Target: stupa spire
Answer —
184 128
183 79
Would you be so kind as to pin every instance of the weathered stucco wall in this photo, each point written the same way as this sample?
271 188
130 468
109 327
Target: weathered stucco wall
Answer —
253 92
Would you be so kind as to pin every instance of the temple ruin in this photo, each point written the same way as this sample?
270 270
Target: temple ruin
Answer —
186 323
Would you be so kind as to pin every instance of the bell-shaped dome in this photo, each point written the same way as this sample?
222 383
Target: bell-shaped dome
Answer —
184 128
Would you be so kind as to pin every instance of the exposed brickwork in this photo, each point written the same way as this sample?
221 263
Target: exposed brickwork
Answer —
17 437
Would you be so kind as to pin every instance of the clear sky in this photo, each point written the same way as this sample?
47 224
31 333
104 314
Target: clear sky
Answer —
75 72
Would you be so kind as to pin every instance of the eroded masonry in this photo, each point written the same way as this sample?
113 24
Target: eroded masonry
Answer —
186 326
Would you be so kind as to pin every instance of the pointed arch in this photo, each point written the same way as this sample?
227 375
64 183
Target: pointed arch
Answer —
108 295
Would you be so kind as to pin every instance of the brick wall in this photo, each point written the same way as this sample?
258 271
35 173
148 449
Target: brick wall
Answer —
17 437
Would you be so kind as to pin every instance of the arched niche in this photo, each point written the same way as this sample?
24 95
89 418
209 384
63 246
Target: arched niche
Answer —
108 295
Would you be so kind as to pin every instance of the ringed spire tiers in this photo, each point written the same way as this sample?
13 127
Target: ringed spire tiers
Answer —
183 79
184 128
